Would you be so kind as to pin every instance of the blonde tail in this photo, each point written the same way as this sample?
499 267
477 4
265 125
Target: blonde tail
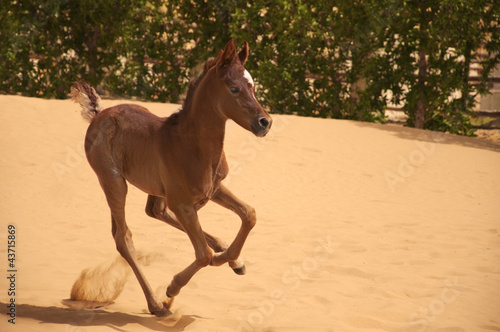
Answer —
85 95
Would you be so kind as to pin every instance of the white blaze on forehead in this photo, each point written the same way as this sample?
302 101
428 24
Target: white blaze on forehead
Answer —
248 77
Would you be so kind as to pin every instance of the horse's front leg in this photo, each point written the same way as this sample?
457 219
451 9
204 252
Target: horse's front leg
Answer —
225 198
188 218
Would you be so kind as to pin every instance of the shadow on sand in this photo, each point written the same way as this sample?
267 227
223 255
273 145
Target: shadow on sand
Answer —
100 317
433 136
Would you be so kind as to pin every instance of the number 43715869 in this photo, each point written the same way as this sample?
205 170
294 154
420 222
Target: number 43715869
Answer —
11 243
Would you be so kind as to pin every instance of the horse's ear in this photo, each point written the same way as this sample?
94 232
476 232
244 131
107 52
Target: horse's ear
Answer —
228 55
243 55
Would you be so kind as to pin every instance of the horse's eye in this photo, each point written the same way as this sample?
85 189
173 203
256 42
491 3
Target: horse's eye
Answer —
234 90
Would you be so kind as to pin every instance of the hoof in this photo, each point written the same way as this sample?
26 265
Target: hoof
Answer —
164 311
167 303
238 266
240 270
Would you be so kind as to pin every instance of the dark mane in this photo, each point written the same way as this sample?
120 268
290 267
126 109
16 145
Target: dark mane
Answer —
174 118
194 84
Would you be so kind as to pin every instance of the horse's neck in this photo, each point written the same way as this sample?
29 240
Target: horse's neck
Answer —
205 127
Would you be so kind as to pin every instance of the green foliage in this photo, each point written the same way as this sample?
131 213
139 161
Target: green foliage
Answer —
341 59
149 64
447 35
302 58
123 47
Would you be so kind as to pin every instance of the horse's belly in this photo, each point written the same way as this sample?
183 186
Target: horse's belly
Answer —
147 179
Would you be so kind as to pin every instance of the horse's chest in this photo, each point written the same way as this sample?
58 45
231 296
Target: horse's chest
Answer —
212 183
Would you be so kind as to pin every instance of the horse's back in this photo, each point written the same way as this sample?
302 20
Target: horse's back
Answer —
131 117
121 123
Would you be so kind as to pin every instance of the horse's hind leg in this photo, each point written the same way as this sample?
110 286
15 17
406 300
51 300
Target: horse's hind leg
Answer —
115 189
157 208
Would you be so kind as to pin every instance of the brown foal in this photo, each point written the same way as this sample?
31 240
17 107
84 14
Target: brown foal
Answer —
179 161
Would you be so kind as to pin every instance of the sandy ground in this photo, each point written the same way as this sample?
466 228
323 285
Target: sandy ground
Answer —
361 227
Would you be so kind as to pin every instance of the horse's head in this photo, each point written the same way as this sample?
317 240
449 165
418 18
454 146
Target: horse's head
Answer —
237 99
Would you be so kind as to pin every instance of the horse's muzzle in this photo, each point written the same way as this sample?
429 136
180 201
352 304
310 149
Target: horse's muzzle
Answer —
262 125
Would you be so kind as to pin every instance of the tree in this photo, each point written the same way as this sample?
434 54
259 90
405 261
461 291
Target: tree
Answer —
15 51
429 48
124 47
341 59
66 42
305 60
151 54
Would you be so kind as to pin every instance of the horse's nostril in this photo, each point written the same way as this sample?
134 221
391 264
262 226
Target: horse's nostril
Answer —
264 122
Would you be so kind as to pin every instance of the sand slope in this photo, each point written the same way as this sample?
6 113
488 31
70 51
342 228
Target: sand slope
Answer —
361 227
